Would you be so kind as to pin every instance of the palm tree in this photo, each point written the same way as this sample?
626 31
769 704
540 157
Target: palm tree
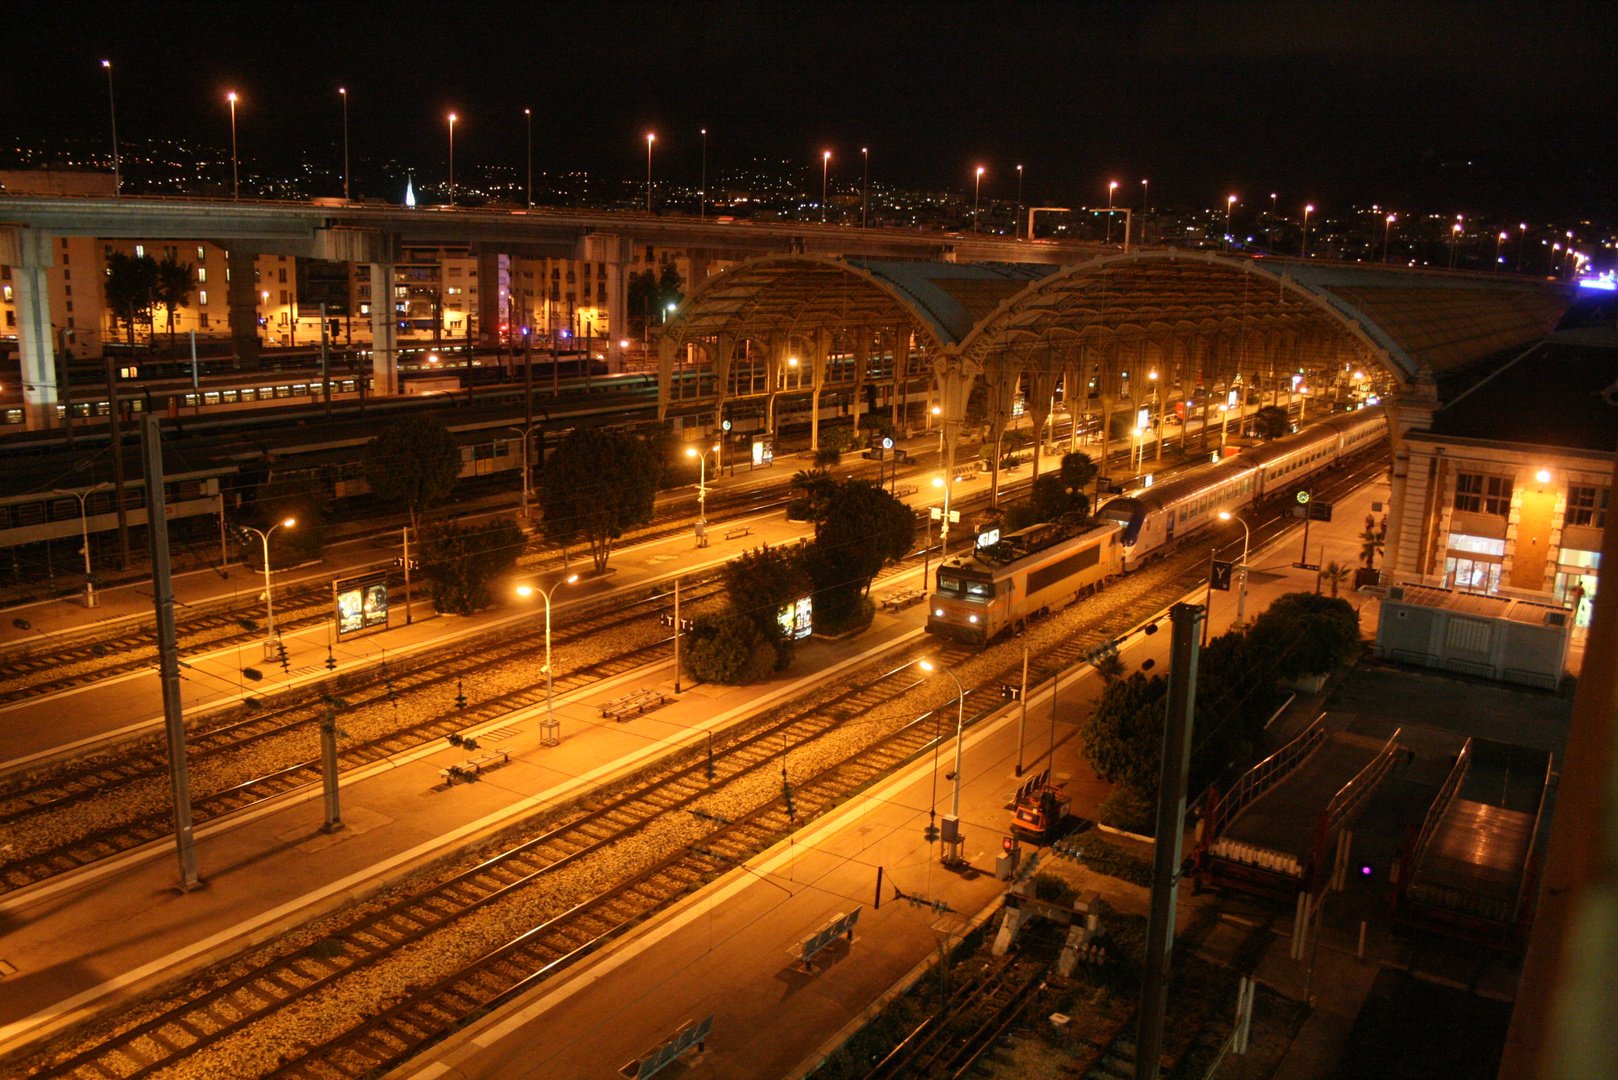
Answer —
1371 542
174 285
1334 572
1111 668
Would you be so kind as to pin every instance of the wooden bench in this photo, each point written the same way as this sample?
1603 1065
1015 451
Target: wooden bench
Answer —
739 530
469 769
902 490
635 702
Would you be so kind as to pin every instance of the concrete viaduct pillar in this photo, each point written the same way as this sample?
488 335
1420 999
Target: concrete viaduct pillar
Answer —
384 330
242 295
28 253
613 251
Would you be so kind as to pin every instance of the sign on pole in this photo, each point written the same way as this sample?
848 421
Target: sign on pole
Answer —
1219 575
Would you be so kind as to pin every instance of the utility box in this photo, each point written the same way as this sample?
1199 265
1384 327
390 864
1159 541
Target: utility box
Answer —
950 832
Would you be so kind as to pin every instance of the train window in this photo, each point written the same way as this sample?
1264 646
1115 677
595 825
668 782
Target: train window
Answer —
5 517
949 583
265 393
137 405
980 589
210 397
100 502
13 416
300 389
190 400
283 391
230 397
347 386
30 513
62 509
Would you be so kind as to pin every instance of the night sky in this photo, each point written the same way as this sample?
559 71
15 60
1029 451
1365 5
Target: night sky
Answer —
1478 108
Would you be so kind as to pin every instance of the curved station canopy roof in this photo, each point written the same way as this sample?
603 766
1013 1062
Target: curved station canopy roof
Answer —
1398 319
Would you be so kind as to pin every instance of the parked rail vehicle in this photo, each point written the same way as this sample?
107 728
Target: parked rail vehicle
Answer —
1041 815
1155 520
1022 576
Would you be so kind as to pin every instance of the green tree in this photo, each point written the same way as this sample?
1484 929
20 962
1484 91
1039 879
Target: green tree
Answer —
1111 668
597 485
1334 573
1305 634
640 297
760 582
175 283
414 461
461 560
131 290
670 290
1271 422
727 649
1123 735
862 528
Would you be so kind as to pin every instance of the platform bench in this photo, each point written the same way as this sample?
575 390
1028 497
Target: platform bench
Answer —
740 530
635 702
898 601
905 489
472 766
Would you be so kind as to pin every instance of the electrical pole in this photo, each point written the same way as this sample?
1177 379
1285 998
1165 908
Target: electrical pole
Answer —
405 532
114 428
1186 623
676 635
1022 719
168 654
328 771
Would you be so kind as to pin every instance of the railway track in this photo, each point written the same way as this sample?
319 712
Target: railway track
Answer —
740 777
381 688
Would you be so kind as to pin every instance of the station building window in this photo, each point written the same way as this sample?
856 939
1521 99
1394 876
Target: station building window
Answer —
1476 493
1587 506
1472 563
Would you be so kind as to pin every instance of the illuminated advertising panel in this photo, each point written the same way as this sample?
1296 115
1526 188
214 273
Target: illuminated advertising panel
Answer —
797 618
362 603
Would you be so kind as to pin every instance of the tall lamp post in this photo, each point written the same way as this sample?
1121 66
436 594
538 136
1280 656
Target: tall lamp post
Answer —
1387 231
865 186
1157 411
702 491
264 535
952 823
1498 241
528 122
1016 224
1522 235
527 434
825 173
549 730
977 187
1230 204
342 92
1112 188
702 186
1145 206
1247 543
1307 210
112 109
651 137
235 184
452 119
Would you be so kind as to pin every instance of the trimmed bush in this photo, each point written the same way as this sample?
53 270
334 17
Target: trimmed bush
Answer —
727 649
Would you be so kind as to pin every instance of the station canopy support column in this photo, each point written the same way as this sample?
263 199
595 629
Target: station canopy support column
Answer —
384 330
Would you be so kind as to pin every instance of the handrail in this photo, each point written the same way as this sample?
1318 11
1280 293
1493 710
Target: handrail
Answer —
1351 794
1440 806
1523 886
1262 776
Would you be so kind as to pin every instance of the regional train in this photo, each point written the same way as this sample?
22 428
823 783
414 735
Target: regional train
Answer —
999 587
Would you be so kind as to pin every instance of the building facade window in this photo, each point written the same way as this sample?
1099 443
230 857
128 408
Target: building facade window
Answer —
202 275
1479 494
1587 506
202 297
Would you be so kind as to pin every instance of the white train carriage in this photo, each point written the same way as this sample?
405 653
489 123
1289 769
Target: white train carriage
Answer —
1156 519
997 588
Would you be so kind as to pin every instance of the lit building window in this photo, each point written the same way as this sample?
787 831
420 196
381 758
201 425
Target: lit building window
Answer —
1479 494
1587 506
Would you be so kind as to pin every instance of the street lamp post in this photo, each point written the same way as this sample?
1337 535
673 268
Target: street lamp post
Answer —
528 122
825 173
865 186
1307 210
1522 235
1454 235
977 187
271 639
650 139
1247 543
112 109
702 186
1145 207
1111 189
1016 223
1387 230
342 92
702 491
235 184
452 119
1498 241
550 729
1230 204
527 434
84 527
952 836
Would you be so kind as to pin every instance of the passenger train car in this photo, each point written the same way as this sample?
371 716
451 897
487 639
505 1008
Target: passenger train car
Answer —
1156 519
997 588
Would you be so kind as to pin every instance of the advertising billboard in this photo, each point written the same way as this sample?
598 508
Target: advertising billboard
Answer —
797 618
362 603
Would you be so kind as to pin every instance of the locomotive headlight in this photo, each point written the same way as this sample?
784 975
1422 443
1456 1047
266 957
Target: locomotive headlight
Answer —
972 618
938 612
